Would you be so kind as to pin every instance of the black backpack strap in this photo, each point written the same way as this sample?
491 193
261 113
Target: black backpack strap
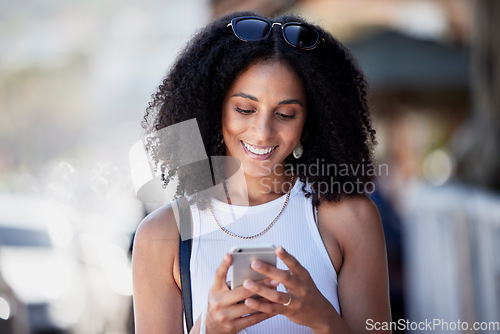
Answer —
185 237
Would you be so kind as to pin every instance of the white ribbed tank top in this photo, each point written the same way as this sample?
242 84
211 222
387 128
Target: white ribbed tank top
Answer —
295 230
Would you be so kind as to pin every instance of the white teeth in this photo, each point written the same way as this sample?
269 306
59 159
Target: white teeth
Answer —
260 151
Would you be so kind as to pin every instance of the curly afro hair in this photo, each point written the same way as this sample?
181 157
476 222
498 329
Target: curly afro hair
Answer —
337 132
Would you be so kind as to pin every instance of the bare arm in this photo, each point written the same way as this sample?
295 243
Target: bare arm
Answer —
157 296
353 228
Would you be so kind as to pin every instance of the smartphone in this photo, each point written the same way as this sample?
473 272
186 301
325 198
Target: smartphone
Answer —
243 256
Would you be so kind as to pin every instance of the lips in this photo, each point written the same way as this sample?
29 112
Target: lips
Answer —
260 152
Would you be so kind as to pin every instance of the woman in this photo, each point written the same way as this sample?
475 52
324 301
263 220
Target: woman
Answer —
287 101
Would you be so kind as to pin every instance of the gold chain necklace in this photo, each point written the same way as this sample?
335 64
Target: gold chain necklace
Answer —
225 230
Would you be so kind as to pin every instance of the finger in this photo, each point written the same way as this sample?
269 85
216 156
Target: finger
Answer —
282 276
231 297
252 319
233 312
266 308
237 295
269 282
240 293
268 293
292 263
221 273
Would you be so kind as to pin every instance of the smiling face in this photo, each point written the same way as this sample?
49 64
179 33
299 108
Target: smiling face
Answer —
263 115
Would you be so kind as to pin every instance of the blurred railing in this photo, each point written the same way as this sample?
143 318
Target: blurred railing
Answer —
451 238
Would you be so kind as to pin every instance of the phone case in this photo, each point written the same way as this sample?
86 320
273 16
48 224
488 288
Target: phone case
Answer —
243 256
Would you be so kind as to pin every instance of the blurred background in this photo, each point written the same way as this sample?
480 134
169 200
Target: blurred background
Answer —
76 77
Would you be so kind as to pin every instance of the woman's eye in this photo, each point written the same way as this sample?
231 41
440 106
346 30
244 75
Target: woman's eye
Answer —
244 111
285 116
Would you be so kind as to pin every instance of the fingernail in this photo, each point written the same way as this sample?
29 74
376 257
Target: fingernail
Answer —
281 250
256 264
226 258
250 302
248 284
274 283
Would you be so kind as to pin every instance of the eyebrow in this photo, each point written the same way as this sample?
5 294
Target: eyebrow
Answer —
246 96
291 101
253 98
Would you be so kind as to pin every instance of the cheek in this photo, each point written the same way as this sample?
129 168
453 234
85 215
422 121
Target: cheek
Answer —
226 124
232 126
294 138
295 134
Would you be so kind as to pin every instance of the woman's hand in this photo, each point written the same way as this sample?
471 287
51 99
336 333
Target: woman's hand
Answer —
303 303
225 314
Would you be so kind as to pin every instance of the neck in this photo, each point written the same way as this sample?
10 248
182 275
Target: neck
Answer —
258 190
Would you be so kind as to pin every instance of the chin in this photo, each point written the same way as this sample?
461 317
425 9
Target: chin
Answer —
257 171
263 168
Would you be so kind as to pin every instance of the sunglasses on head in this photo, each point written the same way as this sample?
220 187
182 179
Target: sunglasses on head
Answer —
254 28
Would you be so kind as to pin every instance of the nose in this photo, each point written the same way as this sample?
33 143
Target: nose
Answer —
263 127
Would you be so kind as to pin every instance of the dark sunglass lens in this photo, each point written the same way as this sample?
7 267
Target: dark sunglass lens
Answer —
251 29
302 37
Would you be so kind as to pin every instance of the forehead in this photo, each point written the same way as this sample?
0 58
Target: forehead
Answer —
269 78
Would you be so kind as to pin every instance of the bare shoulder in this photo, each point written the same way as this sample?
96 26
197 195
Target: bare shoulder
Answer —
354 212
158 225
351 221
156 244
359 208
